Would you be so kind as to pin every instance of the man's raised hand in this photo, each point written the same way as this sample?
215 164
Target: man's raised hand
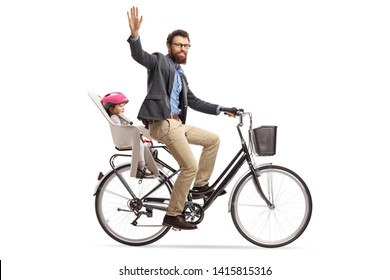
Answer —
134 21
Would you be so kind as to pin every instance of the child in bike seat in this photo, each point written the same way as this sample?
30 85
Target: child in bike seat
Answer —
114 103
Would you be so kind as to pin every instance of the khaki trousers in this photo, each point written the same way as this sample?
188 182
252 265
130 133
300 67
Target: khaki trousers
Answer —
177 137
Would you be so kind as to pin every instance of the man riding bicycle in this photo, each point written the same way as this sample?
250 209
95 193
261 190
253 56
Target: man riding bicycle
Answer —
164 112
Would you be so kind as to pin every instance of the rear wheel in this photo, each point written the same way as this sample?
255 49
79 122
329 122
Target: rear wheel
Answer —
131 220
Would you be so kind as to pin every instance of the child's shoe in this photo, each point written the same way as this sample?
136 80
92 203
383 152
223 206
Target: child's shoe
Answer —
144 173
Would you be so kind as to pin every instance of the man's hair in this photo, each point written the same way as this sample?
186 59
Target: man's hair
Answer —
178 32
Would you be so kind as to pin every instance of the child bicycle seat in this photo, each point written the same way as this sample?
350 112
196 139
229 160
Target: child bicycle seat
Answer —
127 137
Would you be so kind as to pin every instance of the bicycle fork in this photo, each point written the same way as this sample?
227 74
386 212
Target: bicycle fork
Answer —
248 158
259 189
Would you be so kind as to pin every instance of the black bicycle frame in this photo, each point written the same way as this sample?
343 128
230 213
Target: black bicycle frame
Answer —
220 183
231 170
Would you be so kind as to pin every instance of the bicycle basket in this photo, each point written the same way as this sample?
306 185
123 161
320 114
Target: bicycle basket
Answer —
264 140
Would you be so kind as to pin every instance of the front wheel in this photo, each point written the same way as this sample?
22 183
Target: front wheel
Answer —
277 224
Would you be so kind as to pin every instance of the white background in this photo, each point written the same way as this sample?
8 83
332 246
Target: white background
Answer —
317 69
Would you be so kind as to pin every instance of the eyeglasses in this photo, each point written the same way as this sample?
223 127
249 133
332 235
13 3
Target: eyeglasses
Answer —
179 45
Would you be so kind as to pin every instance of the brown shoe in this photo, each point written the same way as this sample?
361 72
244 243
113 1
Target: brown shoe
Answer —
144 173
177 222
206 194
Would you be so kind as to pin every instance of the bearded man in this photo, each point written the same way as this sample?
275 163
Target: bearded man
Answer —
164 112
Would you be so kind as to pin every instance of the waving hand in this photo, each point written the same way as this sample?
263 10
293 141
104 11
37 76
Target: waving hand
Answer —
134 21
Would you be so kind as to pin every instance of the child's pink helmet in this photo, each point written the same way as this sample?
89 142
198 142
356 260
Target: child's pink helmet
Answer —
113 98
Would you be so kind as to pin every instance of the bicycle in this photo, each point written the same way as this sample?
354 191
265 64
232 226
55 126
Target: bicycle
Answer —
270 205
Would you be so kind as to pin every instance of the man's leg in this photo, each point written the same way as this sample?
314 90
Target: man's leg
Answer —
172 134
210 143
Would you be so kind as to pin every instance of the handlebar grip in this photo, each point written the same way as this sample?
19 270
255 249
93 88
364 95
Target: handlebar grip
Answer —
232 110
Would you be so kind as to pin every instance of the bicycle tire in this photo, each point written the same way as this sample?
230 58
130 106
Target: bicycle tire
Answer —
267 226
113 211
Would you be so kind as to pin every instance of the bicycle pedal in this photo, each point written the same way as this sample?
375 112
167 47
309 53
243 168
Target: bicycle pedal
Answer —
176 229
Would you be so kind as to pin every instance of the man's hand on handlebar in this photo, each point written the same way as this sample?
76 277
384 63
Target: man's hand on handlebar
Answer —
230 111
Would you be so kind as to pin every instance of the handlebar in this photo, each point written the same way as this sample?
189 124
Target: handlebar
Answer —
241 114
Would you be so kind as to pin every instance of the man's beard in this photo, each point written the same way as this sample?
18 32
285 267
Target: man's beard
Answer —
178 58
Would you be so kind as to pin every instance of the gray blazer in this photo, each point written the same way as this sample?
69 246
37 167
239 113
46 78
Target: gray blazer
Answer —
161 73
